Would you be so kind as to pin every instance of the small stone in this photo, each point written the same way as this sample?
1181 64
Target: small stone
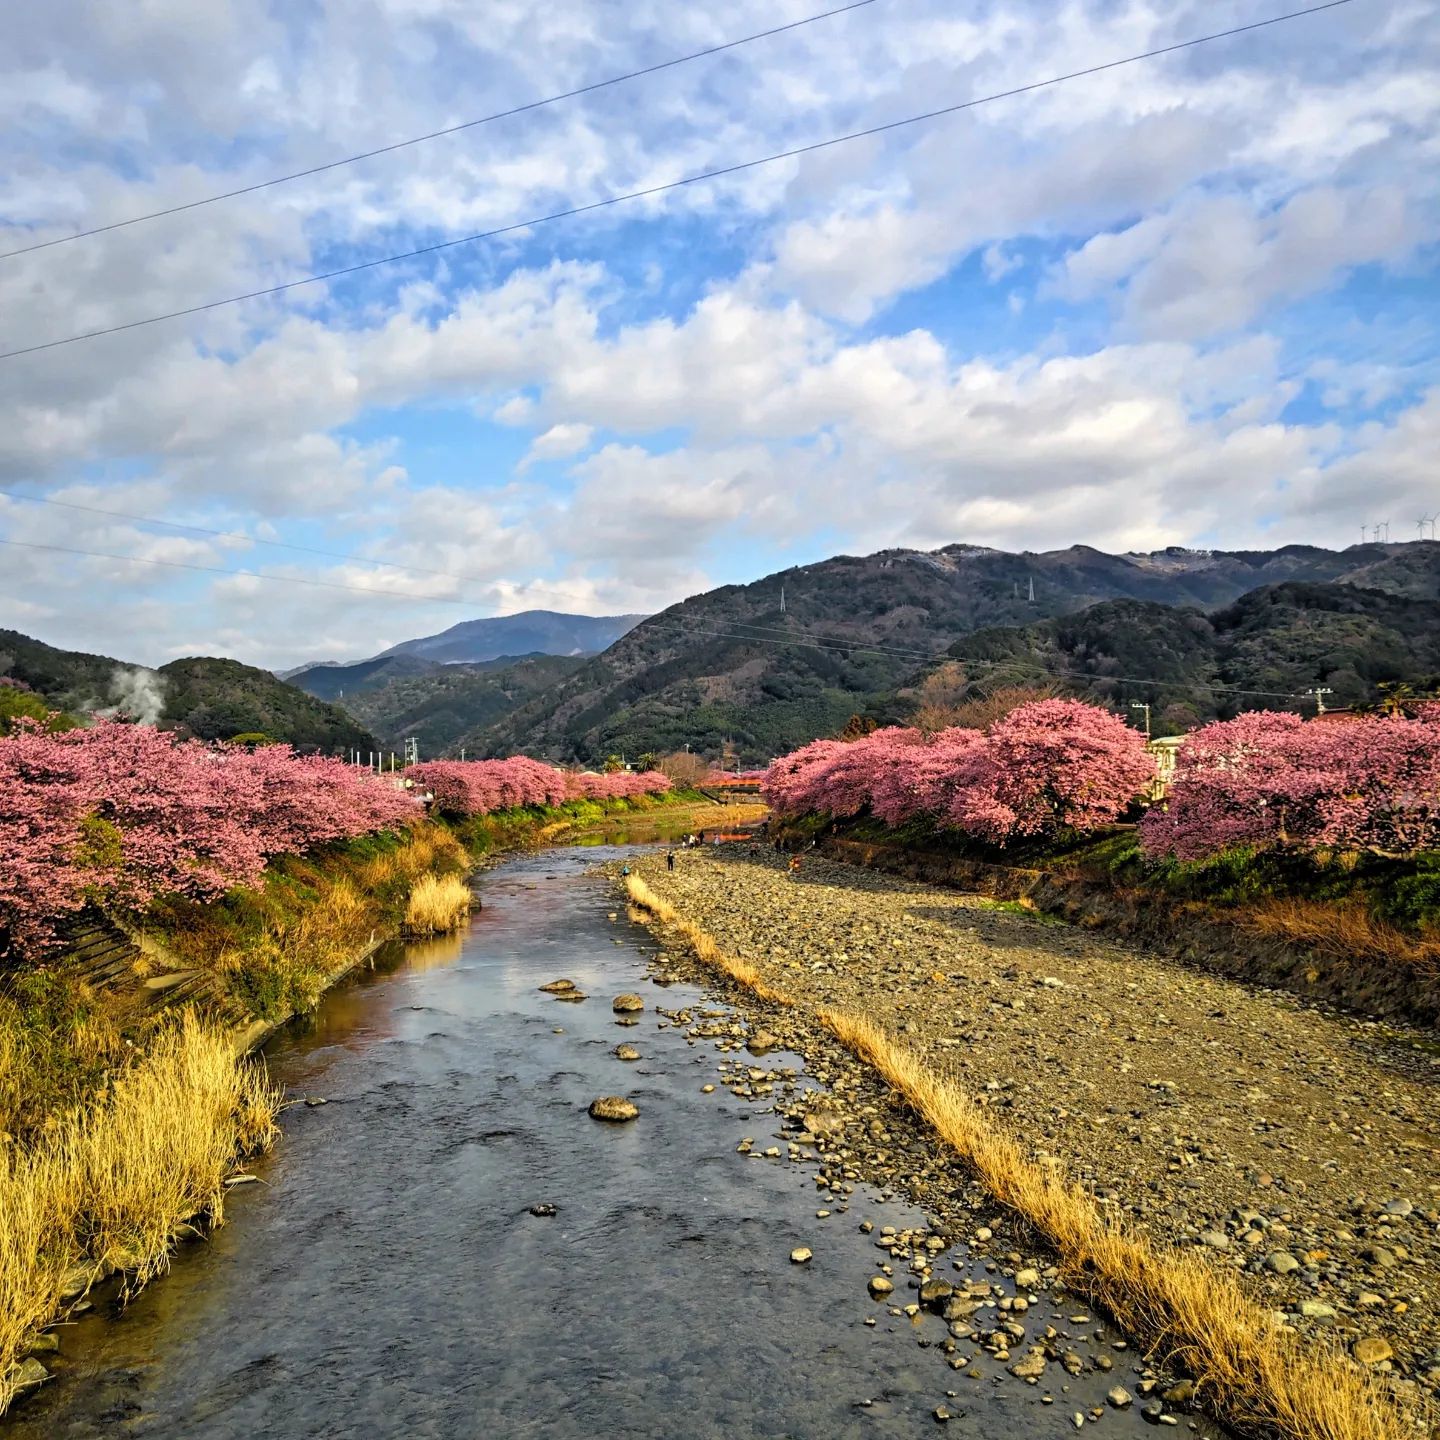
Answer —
28 1374
1031 1366
707 1089
1215 1239
879 1286
935 1293
1078 1420
626 1052
1379 1257
627 1004
573 996
942 1415
559 987
760 1042
801 1255
1281 1262
1152 1413
1027 1279
543 1208
314 1102
46 1343
1317 1310
1371 1350
613 1107
984 1233
1119 1397
1181 1393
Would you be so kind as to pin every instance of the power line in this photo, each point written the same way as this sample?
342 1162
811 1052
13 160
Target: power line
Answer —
238 535
864 649
439 134
703 175
828 646
241 574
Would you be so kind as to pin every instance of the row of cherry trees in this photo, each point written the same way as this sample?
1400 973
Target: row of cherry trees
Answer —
1047 766
1269 780
126 813
481 787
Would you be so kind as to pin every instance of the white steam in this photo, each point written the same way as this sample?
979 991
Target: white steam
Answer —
136 693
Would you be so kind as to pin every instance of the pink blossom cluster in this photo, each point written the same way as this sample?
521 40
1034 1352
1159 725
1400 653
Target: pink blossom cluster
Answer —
481 787
1047 766
127 813
1268 780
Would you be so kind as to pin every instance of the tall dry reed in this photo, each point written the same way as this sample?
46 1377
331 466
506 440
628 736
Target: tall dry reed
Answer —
438 904
108 1188
1247 1369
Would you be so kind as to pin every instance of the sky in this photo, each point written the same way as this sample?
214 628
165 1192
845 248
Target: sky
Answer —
1190 301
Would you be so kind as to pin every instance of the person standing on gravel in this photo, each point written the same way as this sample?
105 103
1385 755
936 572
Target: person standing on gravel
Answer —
670 859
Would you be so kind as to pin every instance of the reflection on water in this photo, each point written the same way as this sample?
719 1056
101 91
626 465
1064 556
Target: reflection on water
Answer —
388 1281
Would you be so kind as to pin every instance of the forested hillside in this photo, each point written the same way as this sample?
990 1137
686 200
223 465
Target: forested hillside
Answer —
775 663
1270 646
207 697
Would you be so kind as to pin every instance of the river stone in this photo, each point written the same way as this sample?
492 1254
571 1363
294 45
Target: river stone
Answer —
575 995
559 987
1031 1366
760 1042
46 1343
801 1255
627 1004
1371 1350
626 1052
544 1209
28 1374
879 1286
1119 1397
613 1107
1027 1279
935 1293
1281 1262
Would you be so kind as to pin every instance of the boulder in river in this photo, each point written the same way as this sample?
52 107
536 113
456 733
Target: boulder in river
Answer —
626 1052
544 1209
627 1004
615 1108
760 1042
573 995
880 1287
559 987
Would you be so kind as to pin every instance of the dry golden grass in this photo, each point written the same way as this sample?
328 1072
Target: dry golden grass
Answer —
1344 930
1247 1369
438 904
108 1188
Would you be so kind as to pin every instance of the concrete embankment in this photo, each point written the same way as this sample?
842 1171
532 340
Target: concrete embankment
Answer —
1276 1166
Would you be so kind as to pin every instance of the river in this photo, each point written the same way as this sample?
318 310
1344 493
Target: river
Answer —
387 1279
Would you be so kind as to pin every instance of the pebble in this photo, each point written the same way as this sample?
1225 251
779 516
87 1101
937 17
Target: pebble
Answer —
1119 1397
880 1286
1372 1350
627 1004
626 1052
614 1108
801 1255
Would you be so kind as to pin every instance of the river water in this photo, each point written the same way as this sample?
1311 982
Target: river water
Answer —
387 1281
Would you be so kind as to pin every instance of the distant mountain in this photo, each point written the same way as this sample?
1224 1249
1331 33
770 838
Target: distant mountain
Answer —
531 632
442 706
775 663
213 699
1275 642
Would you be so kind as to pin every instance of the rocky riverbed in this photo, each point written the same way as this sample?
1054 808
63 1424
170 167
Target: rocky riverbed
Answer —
1295 1147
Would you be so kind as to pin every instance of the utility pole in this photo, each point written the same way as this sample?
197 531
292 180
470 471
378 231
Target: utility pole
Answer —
1319 694
412 749
1141 705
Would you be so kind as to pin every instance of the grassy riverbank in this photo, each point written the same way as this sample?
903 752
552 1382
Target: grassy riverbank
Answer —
124 1100
1233 1201
112 1186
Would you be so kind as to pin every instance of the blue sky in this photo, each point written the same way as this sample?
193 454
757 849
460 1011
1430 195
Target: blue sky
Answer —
1191 301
